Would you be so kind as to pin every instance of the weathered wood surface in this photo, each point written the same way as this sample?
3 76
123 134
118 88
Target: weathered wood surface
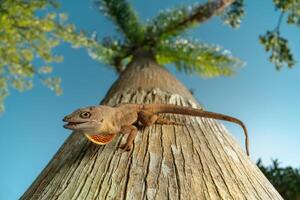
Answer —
200 160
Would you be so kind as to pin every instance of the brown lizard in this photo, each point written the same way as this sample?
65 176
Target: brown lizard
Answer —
101 124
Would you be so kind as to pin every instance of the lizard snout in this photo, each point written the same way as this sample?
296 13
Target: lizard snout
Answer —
66 118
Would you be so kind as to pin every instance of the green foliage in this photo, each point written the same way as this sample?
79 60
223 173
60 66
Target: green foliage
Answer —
292 8
25 36
173 22
285 179
157 36
278 46
284 5
167 23
122 14
109 52
235 13
273 42
294 15
54 84
192 56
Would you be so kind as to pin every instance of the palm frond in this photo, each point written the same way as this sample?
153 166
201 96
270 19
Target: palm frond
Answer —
234 14
163 25
193 56
175 21
124 17
110 51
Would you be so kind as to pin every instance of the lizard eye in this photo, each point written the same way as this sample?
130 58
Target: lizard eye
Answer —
85 115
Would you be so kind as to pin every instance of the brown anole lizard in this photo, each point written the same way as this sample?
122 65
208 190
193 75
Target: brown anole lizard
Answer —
101 124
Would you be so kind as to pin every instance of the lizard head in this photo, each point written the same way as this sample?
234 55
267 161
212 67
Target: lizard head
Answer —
84 119
96 122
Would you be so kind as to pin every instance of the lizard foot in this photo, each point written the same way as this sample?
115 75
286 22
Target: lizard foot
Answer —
125 147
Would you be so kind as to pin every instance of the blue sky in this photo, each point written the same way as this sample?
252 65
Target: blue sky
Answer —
265 99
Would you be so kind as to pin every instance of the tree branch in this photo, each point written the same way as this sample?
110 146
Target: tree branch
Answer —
206 11
277 28
199 15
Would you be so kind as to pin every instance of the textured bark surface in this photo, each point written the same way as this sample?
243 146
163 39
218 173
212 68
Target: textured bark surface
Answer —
200 160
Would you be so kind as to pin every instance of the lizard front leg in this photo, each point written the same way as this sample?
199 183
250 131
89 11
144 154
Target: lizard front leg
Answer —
131 131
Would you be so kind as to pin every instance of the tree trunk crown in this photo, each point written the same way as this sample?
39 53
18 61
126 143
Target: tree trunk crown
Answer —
144 73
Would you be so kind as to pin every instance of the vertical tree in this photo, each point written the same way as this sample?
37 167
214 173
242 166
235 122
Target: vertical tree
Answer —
197 161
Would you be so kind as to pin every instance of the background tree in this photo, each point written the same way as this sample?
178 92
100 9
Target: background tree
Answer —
199 160
285 179
274 42
25 35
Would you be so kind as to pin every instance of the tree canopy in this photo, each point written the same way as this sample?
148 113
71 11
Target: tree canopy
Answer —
31 29
285 179
161 35
26 34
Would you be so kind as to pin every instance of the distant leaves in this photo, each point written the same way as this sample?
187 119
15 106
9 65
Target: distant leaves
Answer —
21 84
45 70
294 14
294 18
54 84
234 14
3 92
284 5
25 36
27 55
195 57
285 179
278 46
274 42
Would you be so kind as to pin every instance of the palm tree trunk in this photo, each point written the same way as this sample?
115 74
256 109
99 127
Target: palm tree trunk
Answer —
200 160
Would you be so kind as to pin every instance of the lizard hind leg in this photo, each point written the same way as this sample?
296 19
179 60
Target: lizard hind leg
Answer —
147 118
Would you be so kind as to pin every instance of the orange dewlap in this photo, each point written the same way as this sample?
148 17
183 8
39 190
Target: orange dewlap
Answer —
100 139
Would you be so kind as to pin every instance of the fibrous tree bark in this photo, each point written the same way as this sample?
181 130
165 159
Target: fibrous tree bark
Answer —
199 160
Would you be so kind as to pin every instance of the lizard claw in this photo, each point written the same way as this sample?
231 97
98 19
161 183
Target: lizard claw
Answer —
125 147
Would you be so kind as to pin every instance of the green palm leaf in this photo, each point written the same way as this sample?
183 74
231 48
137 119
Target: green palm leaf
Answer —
124 17
193 56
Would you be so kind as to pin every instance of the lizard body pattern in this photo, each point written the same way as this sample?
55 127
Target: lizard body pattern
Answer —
101 124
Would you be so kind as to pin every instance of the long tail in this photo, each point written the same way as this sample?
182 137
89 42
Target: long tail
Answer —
174 109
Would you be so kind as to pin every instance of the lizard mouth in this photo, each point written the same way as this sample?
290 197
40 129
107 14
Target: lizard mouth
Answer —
71 125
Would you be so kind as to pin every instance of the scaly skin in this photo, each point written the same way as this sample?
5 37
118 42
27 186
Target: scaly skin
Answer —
100 124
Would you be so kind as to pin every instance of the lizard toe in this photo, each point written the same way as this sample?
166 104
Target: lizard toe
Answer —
125 147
